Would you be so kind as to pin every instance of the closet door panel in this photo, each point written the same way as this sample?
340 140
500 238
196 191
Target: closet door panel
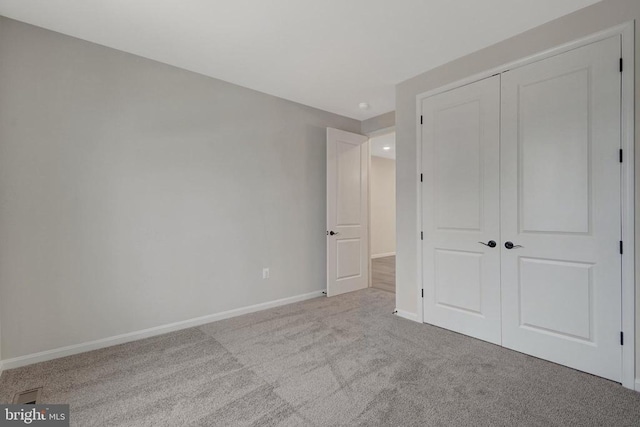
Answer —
560 208
554 147
460 205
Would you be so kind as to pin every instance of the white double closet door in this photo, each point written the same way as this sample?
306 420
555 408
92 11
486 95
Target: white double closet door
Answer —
528 159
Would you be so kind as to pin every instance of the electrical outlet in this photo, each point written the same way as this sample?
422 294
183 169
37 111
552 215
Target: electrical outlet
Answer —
265 273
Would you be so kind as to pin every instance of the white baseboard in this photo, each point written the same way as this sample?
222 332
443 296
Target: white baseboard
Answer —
43 356
637 384
407 315
383 255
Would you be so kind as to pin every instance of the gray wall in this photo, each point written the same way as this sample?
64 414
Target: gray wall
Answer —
134 194
383 121
600 16
382 196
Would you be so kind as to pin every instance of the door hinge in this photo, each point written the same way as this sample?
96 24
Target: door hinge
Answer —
621 248
422 293
621 155
420 119
422 235
621 65
420 177
621 338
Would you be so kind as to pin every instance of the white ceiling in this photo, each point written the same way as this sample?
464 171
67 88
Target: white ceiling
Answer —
379 142
329 54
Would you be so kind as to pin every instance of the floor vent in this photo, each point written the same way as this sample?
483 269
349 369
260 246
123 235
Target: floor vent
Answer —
28 397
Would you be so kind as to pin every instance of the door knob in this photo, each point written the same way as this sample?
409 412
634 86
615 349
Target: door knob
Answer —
510 245
333 233
490 243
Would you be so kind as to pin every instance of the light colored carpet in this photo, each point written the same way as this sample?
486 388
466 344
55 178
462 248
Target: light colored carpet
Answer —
329 361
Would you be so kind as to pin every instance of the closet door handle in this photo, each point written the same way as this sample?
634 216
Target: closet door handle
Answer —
490 243
510 245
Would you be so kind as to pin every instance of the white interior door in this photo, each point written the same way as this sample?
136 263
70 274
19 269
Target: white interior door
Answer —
561 290
347 212
460 209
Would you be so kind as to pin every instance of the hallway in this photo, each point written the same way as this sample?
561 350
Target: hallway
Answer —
383 273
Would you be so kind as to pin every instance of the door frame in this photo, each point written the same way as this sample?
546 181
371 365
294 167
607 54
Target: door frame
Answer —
626 33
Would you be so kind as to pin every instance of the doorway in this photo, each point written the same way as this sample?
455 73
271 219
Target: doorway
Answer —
382 222
361 211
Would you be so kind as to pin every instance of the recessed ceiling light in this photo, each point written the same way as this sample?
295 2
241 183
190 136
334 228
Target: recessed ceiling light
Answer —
386 148
364 105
